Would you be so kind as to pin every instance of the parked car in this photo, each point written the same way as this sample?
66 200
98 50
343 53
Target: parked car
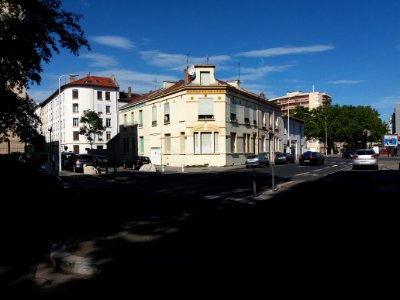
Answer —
135 162
82 160
311 158
365 158
283 158
257 160
68 161
347 154
100 161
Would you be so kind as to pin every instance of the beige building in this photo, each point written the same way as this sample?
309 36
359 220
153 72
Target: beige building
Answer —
293 99
199 120
13 143
312 100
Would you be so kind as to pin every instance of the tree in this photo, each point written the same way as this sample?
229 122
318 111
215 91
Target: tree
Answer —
31 31
343 123
92 126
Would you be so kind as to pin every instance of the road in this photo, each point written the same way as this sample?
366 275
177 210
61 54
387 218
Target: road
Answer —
196 227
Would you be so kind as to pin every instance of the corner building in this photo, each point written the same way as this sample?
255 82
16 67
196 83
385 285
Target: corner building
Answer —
200 120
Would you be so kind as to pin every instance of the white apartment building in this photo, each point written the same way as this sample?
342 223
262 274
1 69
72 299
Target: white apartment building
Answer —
200 120
61 112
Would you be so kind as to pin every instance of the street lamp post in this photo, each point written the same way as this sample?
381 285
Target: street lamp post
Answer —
60 121
289 150
50 151
326 138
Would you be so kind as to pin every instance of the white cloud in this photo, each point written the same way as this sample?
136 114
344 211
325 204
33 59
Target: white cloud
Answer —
178 61
140 82
100 60
285 51
113 41
343 81
251 74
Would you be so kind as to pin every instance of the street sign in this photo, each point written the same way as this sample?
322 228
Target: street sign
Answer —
390 140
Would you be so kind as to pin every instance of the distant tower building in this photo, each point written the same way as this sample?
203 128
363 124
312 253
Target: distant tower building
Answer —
293 99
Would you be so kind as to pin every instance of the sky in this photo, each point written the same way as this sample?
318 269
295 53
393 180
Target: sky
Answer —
349 49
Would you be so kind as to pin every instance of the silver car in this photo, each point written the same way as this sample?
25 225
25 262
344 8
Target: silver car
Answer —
257 160
365 158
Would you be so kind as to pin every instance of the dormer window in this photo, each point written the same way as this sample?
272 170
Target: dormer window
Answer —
204 78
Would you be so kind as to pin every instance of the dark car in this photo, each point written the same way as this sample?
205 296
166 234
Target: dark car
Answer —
68 160
311 158
257 160
135 162
100 161
347 154
283 158
82 160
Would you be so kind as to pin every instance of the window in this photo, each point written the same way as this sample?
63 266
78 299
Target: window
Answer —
204 78
141 141
76 149
99 108
206 108
108 122
75 94
108 135
125 120
203 142
233 142
154 116
132 118
233 113
216 149
99 95
76 135
75 122
246 115
100 136
75 108
108 109
140 118
166 113
246 142
167 145
108 97
182 142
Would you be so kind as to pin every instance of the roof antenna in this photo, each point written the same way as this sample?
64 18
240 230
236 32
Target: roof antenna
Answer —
155 84
239 70
313 88
208 59
187 58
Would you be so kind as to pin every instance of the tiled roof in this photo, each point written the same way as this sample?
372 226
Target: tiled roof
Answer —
95 81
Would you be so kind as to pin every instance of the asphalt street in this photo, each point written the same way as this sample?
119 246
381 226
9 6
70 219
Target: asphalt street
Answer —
202 230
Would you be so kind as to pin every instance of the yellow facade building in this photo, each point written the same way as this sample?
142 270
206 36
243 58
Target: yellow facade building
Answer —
199 120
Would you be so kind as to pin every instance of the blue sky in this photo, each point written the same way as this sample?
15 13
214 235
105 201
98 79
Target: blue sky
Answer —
349 49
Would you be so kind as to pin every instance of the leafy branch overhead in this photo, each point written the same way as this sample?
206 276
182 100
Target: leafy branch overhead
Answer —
31 31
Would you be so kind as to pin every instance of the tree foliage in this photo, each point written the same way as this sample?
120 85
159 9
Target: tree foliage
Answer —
343 123
92 126
31 31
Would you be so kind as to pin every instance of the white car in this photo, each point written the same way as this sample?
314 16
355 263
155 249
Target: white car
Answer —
365 158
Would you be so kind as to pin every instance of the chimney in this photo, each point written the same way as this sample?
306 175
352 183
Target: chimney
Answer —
262 95
185 76
129 91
